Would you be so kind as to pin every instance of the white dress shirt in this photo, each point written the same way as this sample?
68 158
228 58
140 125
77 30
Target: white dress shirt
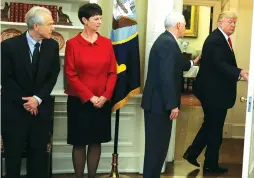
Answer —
31 43
226 37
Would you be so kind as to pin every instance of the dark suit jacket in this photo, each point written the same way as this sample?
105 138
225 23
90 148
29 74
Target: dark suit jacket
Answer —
215 85
18 77
162 91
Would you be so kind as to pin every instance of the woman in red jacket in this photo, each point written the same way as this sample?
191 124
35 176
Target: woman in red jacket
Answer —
90 69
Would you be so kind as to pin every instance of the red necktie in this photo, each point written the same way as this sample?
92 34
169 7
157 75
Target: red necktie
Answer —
230 43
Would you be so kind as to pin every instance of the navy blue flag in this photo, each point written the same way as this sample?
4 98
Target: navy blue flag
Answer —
124 38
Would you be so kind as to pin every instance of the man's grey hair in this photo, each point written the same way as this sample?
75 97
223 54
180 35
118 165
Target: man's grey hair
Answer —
173 18
33 16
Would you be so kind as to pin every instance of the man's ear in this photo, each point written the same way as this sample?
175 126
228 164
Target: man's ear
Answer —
178 25
36 27
219 23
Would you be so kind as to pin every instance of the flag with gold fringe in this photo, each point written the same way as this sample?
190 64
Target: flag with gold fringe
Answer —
124 36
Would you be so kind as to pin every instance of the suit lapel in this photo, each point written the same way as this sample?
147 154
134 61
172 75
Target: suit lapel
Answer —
25 55
234 59
225 41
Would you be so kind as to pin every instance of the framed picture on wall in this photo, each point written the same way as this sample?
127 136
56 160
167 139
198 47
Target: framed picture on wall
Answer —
191 14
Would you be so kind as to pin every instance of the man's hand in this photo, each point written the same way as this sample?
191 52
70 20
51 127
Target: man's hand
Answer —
94 99
34 111
31 103
101 102
196 60
244 75
174 113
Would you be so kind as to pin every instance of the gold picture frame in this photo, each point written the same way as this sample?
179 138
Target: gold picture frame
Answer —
191 14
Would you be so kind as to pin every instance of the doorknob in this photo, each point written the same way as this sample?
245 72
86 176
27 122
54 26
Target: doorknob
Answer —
242 99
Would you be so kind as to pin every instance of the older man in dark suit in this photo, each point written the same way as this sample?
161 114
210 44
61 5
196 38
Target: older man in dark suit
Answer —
162 92
30 67
215 87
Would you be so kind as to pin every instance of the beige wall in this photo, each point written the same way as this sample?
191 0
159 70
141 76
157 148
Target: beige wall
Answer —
235 122
225 5
243 35
196 44
105 30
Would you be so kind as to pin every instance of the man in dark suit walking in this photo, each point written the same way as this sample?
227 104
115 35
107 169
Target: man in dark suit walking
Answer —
162 93
30 67
215 87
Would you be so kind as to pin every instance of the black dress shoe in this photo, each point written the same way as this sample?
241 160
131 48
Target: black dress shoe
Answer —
216 169
190 159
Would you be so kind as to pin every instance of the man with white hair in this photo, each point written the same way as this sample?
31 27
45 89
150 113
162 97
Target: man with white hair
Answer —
30 67
162 92
215 87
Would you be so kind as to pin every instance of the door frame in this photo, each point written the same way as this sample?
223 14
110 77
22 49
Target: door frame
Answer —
216 4
249 125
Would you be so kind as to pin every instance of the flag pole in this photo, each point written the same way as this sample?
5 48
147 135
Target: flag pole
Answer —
114 170
126 48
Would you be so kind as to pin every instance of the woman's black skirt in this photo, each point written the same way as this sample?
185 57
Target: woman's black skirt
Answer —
87 124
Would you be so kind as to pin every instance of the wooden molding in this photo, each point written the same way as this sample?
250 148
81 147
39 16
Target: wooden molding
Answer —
233 130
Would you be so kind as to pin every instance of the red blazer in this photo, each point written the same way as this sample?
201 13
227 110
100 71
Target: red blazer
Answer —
90 69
